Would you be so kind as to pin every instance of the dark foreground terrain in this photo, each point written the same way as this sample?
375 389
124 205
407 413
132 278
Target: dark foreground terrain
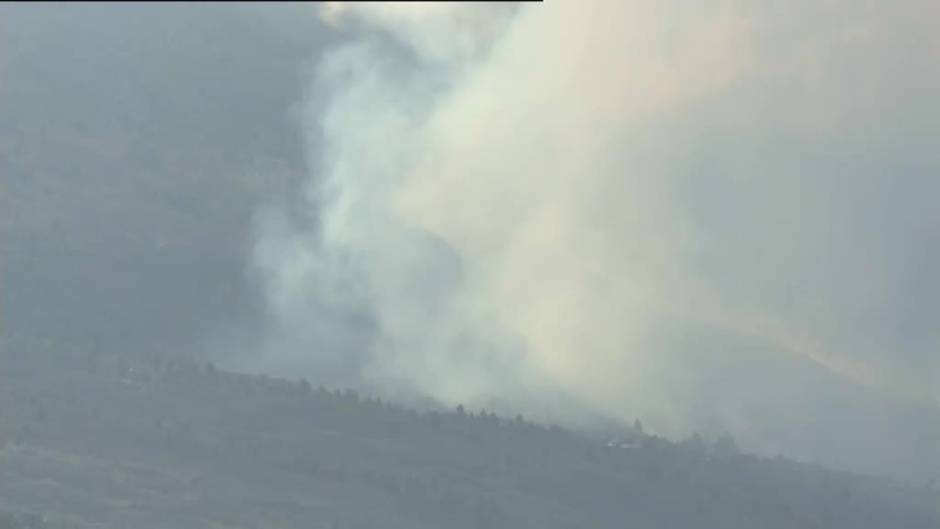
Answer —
109 442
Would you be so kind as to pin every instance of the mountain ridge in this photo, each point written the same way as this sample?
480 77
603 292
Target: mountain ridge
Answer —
137 443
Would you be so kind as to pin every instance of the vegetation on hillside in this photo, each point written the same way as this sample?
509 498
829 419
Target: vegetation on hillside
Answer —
166 441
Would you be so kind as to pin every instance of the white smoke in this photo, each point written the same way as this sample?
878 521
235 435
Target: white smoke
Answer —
661 209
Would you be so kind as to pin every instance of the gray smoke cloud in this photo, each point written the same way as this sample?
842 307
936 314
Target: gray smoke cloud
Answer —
712 217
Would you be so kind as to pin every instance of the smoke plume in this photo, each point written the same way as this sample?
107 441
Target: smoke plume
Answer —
713 217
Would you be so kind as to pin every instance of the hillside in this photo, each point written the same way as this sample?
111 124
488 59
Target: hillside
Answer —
110 442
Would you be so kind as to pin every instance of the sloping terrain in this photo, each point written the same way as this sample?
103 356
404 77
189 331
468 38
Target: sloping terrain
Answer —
112 443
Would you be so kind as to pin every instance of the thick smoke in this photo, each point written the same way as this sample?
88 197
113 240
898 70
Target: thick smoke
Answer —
712 217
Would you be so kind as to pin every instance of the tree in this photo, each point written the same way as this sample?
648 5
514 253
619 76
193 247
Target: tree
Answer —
695 444
725 446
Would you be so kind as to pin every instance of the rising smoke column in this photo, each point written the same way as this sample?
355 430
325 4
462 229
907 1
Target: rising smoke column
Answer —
654 207
361 258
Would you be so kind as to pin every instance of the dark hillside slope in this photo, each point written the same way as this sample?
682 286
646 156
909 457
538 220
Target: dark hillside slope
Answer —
110 443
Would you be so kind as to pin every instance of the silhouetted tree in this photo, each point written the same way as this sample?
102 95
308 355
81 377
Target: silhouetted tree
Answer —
725 447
